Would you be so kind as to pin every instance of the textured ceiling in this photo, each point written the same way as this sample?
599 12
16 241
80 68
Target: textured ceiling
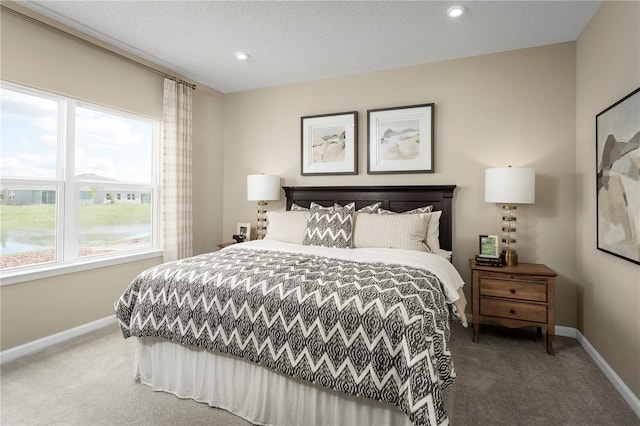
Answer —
291 42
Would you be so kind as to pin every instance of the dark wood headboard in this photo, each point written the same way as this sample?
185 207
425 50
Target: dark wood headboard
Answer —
395 198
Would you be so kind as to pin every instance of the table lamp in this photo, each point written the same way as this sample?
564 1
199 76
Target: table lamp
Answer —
262 188
510 186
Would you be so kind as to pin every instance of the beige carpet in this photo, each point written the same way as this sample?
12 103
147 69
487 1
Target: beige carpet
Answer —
506 379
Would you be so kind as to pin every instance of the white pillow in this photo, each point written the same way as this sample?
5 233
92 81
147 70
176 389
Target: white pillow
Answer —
287 226
433 231
401 231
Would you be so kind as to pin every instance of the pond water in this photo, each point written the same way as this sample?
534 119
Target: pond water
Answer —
25 241
13 247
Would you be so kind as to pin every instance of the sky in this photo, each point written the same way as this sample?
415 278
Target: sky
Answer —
107 144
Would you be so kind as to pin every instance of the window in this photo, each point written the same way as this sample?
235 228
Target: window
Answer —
63 167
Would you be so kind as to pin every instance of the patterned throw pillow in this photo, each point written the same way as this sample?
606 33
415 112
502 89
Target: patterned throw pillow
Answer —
329 226
350 206
295 207
425 209
371 208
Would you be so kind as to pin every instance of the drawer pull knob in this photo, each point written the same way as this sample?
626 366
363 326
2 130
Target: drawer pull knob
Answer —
513 291
513 311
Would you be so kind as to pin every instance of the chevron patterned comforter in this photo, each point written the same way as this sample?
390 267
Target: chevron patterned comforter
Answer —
365 328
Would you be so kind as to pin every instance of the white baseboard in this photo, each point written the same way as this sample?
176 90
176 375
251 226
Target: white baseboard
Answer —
566 331
37 345
617 382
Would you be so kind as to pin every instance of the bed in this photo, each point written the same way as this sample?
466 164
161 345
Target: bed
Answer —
284 333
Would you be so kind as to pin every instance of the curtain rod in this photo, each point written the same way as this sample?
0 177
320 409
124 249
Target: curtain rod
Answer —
92 44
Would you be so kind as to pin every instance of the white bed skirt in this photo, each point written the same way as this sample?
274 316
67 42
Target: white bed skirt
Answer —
255 393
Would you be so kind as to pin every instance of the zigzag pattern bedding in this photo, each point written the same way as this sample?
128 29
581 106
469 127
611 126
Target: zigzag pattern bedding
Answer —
367 329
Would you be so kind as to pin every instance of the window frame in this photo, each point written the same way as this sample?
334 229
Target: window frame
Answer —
68 188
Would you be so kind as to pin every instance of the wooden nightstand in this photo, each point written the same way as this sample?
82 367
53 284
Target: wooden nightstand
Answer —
223 245
514 296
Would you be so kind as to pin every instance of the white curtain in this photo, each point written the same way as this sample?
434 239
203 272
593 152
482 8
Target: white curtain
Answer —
177 219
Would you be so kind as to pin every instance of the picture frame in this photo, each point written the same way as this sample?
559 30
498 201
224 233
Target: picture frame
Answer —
488 246
244 229
400 139
617 191
329 144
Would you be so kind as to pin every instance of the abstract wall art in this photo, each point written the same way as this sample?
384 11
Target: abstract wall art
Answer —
618 178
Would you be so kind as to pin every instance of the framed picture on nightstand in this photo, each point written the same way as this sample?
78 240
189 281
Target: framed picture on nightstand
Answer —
488 246
244 229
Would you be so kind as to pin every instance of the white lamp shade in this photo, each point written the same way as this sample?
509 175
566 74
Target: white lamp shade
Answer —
263 188
513 185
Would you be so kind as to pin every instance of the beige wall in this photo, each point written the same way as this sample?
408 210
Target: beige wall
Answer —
513 108
207 169
39 58
608 68
39 308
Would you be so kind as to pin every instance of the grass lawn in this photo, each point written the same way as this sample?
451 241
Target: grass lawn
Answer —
36 216
111 214
43 216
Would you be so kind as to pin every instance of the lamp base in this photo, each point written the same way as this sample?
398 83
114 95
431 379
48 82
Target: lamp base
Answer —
511 258
262 220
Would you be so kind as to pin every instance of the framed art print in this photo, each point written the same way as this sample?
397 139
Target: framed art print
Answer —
244 230
329 144
400 139
488 246
618 178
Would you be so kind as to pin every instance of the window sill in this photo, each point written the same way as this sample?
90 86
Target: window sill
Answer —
52 270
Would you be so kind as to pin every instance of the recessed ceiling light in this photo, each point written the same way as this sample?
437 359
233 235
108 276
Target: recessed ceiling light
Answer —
455 11
242 56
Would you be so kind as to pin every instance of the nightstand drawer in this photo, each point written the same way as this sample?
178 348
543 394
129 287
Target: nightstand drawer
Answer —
495 287
513 310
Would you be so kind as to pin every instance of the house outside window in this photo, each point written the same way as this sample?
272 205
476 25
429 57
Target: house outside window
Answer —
62 172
